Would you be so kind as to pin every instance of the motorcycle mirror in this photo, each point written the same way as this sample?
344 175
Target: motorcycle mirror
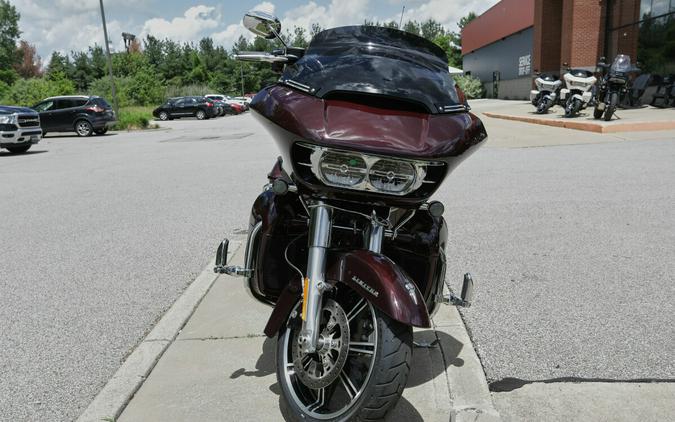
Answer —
565 64
262 24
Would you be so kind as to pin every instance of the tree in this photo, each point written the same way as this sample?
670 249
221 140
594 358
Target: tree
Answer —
30 64
82 74
9 34
98 61
413 27
455 56
59 64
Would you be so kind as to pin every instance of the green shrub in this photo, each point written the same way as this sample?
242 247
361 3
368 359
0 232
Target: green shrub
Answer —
28 92
472 87
187 90
144 89
134 118
141 89
101 87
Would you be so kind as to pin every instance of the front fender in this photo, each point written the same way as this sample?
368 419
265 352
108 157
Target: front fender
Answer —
379 280
373 276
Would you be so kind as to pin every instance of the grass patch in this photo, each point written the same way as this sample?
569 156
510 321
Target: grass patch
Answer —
134 118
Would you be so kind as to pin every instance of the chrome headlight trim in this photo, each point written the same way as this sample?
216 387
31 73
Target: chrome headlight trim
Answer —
419 169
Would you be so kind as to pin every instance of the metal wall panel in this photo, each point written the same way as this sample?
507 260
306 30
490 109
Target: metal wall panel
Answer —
512 57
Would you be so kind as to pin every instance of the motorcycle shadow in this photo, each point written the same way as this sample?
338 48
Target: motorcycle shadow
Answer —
440 351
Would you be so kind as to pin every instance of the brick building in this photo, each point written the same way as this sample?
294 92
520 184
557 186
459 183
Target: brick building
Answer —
515 38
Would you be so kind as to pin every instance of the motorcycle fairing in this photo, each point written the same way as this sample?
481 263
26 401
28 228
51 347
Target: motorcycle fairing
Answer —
379 280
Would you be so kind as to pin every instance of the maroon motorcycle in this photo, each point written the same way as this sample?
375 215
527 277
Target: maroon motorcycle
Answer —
343 242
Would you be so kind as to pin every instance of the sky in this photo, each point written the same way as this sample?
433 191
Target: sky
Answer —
74 25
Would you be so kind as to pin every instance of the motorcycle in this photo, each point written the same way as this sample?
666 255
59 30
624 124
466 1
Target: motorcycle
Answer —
578 92
343 241
547 92
613 85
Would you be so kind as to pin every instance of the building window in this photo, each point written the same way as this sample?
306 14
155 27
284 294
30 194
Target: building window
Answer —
645 31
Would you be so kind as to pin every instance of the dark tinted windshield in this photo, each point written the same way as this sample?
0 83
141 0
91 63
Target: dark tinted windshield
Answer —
379 61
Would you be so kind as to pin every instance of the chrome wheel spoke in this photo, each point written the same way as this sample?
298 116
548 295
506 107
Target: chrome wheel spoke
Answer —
360 305
348 385
320 400
362 347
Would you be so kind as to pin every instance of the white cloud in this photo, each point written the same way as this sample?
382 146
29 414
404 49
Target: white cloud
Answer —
233 31
196 22
446 12
65 25
337 13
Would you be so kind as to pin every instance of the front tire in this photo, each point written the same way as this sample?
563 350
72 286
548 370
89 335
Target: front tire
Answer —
372 379
611 107
19 150
163 116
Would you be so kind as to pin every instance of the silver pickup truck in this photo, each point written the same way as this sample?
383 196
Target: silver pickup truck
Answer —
19 128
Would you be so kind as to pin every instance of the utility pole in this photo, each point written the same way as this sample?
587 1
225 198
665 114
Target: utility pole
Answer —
110 69
242 79
400 22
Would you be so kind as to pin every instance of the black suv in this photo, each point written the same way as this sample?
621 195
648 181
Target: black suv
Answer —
85 115
174 108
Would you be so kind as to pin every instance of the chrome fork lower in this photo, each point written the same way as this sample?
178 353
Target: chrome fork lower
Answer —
315 283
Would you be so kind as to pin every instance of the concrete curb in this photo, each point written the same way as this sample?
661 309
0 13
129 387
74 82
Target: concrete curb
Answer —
588 126
113 398
469 392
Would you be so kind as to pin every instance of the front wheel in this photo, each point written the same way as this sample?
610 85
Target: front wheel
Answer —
543 106
611 106
19 150
359 371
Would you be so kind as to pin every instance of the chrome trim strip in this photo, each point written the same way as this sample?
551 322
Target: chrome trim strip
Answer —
248 257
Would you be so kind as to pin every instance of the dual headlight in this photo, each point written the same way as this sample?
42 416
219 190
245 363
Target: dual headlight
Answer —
366 172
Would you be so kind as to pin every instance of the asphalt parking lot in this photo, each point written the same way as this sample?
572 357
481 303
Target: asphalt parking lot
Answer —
571 237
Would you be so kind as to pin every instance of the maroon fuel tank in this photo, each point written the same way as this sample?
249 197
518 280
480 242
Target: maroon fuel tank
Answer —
365 124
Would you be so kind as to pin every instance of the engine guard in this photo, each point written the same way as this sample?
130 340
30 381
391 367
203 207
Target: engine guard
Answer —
373 276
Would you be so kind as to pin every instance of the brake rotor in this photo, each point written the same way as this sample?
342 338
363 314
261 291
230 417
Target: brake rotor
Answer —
319 369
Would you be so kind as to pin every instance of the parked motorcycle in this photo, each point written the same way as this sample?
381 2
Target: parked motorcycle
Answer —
578 92
547 92
343 242
613 85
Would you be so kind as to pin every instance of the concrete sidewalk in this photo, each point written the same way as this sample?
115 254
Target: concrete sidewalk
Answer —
221 368
624 120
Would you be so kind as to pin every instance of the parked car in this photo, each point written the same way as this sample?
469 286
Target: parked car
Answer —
19 128
238 108
227 108
175 108
244 100
82 114
243 103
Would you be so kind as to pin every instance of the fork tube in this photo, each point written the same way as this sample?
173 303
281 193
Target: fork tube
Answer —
319 241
